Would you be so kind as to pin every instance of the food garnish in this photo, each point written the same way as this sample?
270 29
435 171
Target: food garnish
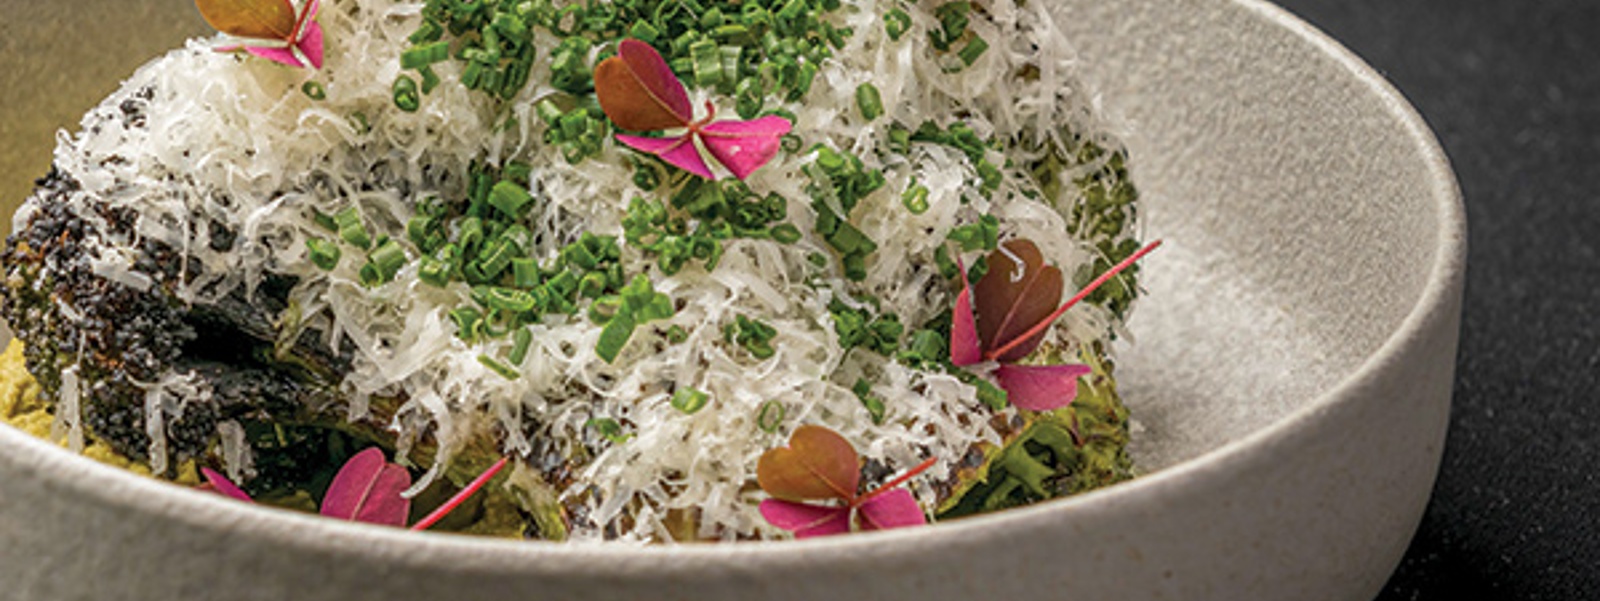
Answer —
271 29
368 489
820 465
1015 302
640 93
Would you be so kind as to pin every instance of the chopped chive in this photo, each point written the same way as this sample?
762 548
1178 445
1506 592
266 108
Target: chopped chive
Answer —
324 254
676 334
896 23
520 341
525 272
973 50
770 416
608 428
469 323
430 80
786 233
405 94
418 228
868 100
505 299
592 285
351 229
915 198
989 175
324 221
505 371
615 335
383 263
604 308
510 198
873 404
689 400
495 259
417 57
313 90
433 272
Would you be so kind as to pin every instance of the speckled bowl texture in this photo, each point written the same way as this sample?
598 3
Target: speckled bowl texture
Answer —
1290 371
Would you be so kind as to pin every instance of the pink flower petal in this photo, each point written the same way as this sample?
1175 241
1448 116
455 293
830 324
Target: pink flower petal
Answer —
310 44
1040 387
221 485
891 509
367 489
806 520
744 146
278 55
679 151
657 77
964 346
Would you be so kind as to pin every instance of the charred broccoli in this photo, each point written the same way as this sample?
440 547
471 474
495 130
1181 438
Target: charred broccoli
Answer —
116 339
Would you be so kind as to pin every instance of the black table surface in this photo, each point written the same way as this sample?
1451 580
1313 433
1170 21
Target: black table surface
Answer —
1512 88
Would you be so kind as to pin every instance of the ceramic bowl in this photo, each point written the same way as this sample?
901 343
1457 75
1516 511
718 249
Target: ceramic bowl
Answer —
1291 376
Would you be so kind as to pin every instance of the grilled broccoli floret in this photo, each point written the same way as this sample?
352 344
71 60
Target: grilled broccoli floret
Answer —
120 339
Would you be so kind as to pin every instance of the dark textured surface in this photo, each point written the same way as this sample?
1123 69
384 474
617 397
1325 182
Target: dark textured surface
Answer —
1512 88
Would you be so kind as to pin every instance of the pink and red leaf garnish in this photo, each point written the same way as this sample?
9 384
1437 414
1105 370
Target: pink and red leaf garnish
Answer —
271 29
1003 317
820 465
221 485
638 92
367 489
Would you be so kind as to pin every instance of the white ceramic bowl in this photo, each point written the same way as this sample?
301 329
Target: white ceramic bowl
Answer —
1292 373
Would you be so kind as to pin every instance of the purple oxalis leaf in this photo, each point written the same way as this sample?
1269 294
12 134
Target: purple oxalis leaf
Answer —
806 520
304 48
965 349
221 485
1040 387
367 489
744 146
657 77
891 509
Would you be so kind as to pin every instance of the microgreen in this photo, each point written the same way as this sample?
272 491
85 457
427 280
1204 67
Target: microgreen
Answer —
368 489
639 92
1014 301
820 465
271 29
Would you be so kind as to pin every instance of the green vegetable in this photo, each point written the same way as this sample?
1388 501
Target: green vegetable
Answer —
689 400
770 416
868 101
324 254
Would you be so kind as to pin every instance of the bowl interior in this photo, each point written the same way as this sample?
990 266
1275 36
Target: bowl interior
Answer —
1300 228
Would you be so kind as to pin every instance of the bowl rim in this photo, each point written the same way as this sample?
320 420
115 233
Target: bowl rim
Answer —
305 532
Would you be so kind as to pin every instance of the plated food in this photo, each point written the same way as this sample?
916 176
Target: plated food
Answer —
702 271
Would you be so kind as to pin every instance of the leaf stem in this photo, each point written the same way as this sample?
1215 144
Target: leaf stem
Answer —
901 479
460 497
1082 294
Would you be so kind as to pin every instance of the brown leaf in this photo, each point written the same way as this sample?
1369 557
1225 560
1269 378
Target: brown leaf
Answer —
264 19
1013 297
638 91
818 464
